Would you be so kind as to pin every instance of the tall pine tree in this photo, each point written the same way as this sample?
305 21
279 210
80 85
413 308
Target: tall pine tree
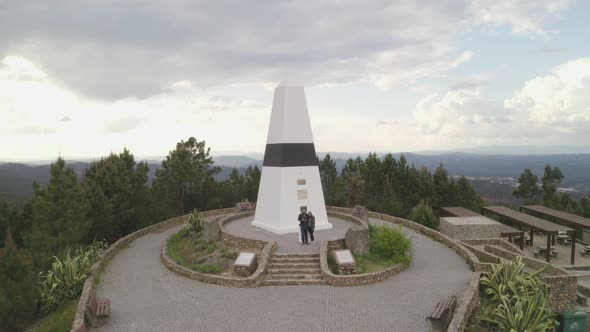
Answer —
17 288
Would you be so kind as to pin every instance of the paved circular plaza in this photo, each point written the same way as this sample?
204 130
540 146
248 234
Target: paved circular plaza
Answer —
146 296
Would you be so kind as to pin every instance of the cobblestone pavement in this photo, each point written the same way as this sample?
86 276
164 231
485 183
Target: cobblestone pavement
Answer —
289 243
146 296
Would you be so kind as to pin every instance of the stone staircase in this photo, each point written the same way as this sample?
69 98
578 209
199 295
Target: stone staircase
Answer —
293 269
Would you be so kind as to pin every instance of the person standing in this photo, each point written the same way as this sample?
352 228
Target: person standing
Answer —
303 226
311 224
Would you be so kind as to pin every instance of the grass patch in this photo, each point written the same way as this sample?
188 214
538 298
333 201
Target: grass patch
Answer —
192 252
367 264
59 320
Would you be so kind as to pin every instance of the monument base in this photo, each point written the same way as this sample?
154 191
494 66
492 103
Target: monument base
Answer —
289 229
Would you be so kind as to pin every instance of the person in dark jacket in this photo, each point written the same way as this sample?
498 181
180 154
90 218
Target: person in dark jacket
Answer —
311 224
303 226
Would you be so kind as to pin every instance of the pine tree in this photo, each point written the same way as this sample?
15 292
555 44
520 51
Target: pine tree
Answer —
59 214
17 287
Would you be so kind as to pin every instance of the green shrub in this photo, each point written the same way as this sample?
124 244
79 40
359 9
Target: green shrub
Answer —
390 243
207 268
66 277
422 214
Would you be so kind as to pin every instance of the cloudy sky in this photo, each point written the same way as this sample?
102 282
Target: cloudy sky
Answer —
85 78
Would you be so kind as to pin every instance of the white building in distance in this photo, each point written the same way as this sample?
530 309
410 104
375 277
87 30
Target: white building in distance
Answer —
290 177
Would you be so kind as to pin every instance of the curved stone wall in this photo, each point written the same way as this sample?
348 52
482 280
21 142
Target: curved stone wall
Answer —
353 279
79 324
234 281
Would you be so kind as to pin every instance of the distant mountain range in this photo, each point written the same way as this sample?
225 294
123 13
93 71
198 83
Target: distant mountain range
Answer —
16 178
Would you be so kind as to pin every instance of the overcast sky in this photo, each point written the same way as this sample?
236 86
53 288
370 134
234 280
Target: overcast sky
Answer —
85 78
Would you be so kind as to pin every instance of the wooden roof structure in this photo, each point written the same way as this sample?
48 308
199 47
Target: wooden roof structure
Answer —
556 216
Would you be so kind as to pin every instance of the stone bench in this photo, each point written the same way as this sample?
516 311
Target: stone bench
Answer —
344 261
245 264
97 310
245 206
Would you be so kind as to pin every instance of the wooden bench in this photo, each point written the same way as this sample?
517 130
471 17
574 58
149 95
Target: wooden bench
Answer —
443 313
97 310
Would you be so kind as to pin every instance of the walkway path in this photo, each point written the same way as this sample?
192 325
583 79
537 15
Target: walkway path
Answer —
146 296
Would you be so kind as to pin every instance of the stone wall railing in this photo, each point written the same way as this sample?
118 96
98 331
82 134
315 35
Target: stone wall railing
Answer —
339 209
78 324
466 305
236 241
224 280
528 261
484 257
347 217
352 279
498 242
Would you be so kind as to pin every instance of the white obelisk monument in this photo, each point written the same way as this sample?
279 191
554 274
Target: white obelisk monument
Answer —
290 177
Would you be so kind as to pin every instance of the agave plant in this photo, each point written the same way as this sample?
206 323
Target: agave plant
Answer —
508 279
66 277
525 314
194 222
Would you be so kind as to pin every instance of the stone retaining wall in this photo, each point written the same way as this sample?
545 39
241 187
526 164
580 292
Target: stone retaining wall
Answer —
498 242
484 257
466 305
353 279
224 280
79 324
528 261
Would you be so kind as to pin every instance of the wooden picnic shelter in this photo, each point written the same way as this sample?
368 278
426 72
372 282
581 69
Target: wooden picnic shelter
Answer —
535 224
556 216
506 231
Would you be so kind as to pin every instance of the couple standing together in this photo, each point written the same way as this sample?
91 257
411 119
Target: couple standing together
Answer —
306 224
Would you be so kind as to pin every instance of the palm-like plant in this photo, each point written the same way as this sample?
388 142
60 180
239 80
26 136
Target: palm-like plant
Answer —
517 299
194 222
508 279
526 313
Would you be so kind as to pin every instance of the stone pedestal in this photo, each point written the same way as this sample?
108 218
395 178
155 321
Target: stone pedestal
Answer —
245 264
361 212
344 261
357 239
211 231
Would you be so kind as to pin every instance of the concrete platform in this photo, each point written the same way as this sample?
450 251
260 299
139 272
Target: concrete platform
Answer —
289 243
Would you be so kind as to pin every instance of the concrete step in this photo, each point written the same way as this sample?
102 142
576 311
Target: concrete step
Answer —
293 276
285 282
294 271
295 260
581 299
294 265
300 255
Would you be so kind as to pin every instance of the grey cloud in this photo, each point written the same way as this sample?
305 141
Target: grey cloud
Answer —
123 124
109 49
474 81
65 119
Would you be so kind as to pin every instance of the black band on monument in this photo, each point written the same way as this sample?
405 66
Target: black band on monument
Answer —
290 155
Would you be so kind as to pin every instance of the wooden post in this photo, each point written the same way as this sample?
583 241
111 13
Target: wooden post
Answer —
532 236
573 257
547 257
521 241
